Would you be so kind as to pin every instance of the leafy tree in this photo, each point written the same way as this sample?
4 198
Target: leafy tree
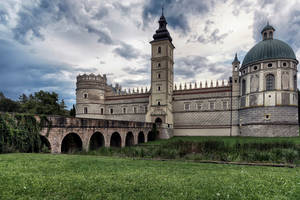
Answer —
8 105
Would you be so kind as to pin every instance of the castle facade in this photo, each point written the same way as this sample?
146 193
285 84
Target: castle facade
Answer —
260 99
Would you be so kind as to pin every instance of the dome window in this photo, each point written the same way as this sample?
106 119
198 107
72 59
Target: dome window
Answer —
255 67
270 65
284 64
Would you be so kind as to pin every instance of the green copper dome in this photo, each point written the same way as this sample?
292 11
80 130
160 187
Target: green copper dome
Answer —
269 49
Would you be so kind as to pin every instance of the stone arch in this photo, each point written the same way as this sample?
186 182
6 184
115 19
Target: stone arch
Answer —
45 144
96 141
129 140
151 136
71 143
115 140
141 137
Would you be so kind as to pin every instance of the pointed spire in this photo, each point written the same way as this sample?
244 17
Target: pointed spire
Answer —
236 60
162 32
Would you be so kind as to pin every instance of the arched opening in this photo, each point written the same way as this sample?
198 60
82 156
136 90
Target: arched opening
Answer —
129 139
159 50
141 137
115 140
151 136
158 121
71 143
96 141
45 145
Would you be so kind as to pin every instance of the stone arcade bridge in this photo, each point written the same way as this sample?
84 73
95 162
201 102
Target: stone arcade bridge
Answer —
62 134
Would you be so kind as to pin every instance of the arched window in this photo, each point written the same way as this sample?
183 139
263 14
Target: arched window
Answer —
270 82
158 75
85 110
265 35
158 65
159 50
243 87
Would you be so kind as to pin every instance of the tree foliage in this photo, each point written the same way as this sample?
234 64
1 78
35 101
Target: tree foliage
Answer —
41 102
20 133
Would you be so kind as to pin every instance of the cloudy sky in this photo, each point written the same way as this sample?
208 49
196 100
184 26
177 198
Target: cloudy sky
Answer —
45 44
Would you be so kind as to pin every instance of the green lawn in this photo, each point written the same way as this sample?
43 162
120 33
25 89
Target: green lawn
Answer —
46 176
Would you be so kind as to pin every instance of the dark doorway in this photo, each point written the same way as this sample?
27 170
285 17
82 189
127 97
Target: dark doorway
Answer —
158 121
151 136
96 141
45 144
71 143
115 140
141 138
129 139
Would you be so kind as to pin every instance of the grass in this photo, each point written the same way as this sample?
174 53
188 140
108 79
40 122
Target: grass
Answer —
232 149
46 176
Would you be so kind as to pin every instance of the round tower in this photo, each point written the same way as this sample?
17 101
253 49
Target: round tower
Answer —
90 96
268 89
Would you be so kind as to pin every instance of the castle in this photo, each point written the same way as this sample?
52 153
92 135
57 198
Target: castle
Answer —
260 99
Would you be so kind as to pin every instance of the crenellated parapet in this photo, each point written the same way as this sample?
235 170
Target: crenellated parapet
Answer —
131 91
91 81
201 85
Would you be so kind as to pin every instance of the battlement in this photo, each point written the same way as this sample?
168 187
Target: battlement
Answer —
200 85
91 81
132 91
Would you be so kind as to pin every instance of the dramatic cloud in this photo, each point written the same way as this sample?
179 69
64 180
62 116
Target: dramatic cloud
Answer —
46 44
127 51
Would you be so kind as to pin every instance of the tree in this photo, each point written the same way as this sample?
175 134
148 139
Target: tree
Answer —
8 105
73 111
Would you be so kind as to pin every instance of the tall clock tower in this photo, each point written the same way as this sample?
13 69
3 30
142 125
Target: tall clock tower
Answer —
162 75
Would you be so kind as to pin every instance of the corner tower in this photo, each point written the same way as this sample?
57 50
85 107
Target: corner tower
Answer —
269 100
162 75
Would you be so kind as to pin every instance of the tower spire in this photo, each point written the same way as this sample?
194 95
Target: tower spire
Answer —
162 32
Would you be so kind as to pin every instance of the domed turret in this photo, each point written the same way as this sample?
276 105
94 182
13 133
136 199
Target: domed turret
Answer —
268 85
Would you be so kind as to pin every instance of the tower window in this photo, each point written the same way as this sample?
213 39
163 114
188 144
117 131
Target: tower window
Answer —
158 88
134 110
271 34
111 111
158 65
159 50
270 82
101 111
243 87
158 75
270 65
124 110
255 67
158 103
284 64
85 95
85 110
